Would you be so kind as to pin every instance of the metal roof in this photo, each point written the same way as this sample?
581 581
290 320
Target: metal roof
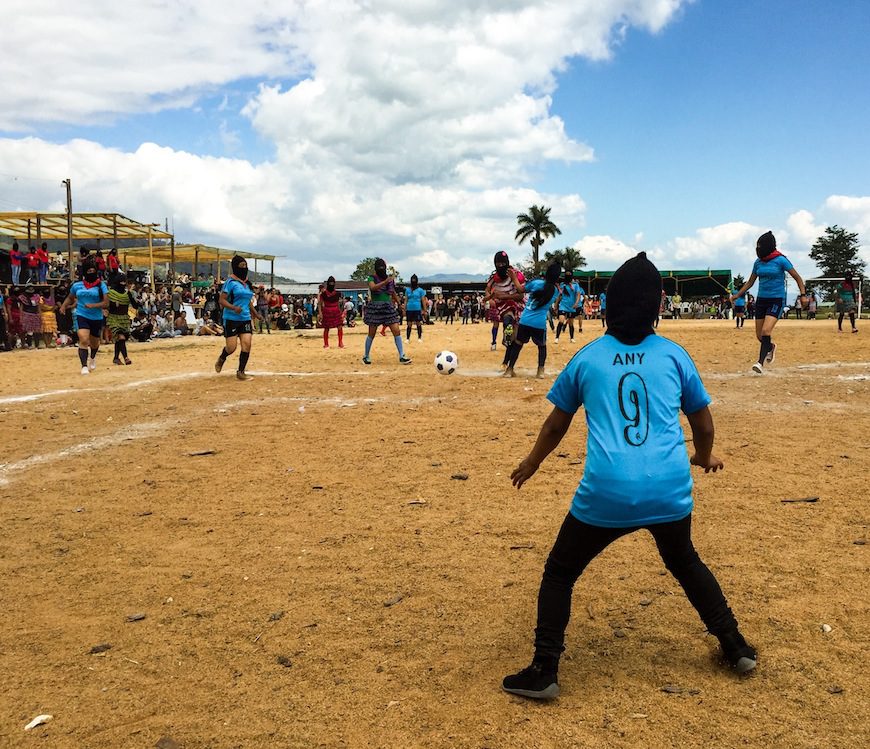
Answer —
21 224
188 253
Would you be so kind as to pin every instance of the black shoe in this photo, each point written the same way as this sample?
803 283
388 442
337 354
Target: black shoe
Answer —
738 653
534 682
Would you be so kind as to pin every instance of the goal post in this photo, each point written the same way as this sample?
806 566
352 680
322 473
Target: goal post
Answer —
830 279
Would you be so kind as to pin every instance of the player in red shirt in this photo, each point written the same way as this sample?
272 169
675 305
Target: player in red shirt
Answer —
504 287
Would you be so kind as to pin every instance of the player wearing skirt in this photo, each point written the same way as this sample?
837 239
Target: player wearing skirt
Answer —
120 301
330 312
382 310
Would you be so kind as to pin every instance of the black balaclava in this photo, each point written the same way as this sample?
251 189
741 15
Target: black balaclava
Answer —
634 295
238 271
380 268
502 262
765 245
569 276
119 283
414 281
45 245
330 283
90 272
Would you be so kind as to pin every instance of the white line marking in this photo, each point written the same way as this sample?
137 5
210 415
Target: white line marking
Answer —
127 433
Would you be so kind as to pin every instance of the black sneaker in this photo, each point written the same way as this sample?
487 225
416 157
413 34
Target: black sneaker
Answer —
534 682
738 653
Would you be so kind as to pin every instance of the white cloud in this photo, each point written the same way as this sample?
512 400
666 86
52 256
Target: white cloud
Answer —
407 129
603 252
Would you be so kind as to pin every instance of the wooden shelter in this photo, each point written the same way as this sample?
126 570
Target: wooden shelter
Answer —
190 253
37 227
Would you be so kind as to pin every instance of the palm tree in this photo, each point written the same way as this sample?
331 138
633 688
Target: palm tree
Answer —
537 225
568 258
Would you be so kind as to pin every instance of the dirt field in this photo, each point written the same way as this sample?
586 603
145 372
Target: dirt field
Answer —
322 579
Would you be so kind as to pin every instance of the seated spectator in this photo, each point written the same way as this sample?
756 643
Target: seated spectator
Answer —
207 327
164 326
181 326
141 328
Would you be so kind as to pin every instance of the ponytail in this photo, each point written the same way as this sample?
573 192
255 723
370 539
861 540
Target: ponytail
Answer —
543 295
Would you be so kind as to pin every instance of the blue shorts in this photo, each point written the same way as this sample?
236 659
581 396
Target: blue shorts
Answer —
768 306
85 323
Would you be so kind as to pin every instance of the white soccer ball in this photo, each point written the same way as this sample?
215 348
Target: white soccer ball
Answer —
446 362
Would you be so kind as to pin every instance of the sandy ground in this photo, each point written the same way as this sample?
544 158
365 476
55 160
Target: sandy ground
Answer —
321 578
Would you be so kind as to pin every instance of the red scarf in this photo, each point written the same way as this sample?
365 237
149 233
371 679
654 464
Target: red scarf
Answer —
89 285
771 256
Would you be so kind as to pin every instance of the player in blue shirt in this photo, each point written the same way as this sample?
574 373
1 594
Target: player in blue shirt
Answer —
90 297
632 384
237 302
571 295
415 298
770 268
602 308
739 311
533 320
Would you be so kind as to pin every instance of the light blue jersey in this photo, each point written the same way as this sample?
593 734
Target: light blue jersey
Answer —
239 294
414 299
771 276
637 468
603 300
536 316
569 293
84 296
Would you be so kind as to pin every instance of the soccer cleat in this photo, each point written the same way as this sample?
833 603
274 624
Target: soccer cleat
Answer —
366 360
533 682
92 363
540 373
492 347
404 360
243 376
771 355
572 340
85 371
117 361
854 330
757 368
219 365
555 340
738 654
127 360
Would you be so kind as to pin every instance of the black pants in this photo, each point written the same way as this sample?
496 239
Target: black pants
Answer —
579 543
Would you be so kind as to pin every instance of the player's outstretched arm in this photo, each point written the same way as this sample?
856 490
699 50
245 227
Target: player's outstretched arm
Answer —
551 434
701 423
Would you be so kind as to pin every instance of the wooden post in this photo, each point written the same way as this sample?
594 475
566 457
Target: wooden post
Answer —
218 278
272 278
172 256
151 259
195 262
115 232
38 229
29 240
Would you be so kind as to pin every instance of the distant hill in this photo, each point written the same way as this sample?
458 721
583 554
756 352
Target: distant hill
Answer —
446 277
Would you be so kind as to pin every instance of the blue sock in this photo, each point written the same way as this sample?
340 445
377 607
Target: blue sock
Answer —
369 342
398 340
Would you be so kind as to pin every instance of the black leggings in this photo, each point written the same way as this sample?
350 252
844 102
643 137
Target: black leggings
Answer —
579 543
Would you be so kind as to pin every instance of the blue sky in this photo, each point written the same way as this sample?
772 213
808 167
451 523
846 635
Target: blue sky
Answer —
325 132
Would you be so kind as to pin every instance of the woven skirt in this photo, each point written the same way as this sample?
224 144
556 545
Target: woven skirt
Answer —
119 323
331 317
49 322
381 313
31 322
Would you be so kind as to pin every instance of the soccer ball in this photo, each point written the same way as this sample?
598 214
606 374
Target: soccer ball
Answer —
446 362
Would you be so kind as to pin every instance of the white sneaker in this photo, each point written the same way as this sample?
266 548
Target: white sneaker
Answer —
771 355
492 347
92 364
572 340
555 340
757 368
85 370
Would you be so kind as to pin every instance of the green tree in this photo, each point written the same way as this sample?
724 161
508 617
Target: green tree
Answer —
535 226
837 252
366 268
568 258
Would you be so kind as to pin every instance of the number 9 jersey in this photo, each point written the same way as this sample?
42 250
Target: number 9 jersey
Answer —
637 468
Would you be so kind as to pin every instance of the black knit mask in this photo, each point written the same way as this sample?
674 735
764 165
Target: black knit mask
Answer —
634 296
